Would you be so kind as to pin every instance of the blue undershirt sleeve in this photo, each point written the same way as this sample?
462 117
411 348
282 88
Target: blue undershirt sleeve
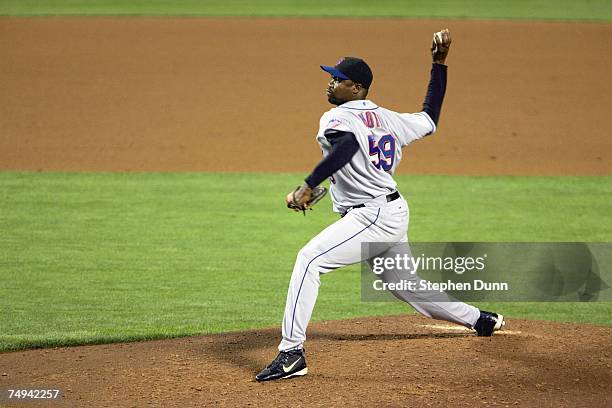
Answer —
435 92
344 147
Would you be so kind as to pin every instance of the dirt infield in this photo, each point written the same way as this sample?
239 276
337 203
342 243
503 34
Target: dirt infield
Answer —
153 94
393 361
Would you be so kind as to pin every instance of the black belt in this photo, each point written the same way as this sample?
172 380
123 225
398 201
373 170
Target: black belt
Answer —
390 197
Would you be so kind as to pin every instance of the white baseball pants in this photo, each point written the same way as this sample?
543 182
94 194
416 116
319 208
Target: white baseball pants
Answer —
340 245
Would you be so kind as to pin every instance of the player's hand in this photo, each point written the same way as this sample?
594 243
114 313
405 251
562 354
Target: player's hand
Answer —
299 199
304 198
440 46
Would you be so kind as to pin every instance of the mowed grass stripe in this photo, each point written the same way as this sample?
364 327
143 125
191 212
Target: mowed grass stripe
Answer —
480 9
89 258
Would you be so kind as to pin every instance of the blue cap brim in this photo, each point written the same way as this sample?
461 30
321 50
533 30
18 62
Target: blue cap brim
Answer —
334 72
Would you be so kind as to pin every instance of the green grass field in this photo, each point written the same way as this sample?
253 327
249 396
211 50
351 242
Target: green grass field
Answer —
513 9
89 258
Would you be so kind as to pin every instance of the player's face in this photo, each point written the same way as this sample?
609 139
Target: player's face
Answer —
340 91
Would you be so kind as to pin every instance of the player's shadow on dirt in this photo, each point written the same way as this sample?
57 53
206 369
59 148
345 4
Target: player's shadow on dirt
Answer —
384 336
253 350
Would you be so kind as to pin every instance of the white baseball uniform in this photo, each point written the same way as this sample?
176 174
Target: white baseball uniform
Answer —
367 179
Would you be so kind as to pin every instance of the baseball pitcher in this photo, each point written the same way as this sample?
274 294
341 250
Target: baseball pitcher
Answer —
362 146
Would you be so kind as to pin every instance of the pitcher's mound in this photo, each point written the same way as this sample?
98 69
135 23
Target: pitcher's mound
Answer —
391 361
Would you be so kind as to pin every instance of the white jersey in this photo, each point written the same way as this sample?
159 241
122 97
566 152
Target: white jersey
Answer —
381 134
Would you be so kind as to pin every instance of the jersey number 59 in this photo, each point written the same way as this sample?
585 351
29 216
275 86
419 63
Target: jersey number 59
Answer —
382 152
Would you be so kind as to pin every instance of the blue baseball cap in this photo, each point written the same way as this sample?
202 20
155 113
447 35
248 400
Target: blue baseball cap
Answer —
351 68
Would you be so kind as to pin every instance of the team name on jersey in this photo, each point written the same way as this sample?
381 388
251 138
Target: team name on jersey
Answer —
370 119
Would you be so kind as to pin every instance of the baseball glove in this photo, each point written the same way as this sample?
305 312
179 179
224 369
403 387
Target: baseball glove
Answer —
304 198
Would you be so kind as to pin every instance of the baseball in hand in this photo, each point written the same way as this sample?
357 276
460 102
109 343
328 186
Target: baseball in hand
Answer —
440 45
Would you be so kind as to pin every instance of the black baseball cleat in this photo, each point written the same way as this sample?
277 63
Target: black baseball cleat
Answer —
287 364
488 323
